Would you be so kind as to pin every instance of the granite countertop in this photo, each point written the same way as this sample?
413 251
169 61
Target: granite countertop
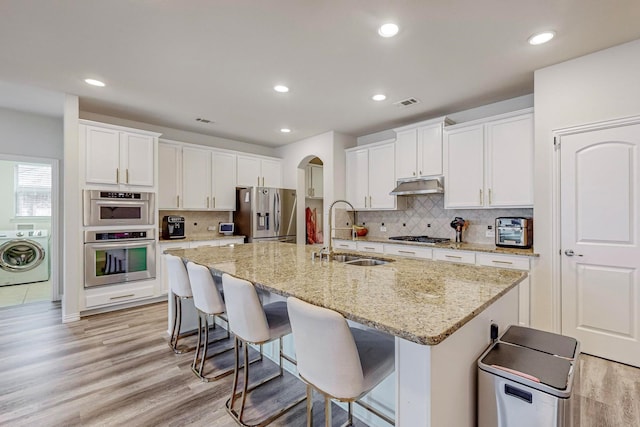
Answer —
200 238
422 301
476 247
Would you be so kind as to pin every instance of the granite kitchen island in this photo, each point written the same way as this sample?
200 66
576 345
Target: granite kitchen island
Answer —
439 313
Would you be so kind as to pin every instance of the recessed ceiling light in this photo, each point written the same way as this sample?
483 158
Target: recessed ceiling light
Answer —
94 82
281 88
541 38
388 30
379 97
285 130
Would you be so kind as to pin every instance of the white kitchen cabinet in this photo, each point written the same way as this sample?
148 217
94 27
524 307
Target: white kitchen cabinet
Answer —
196 178
350 245
419 149
223 185
489 163
169 175
118 156
256 171
408 251
371 176
313 175
111 295
453 255
373 247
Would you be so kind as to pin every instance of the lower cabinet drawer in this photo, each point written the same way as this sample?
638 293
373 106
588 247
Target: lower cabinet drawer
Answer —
503 261
408 251
98 297
377 248
454 256
344 244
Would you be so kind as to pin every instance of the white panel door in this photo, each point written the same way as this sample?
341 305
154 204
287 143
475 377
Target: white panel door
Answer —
600 222
196 178
169 176
102 148
382 177
464 167
430 150
248 171
509 148
406 154
357 190
223 177
137 159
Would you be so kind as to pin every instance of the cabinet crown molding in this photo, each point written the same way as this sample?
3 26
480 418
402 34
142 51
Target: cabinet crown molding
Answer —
446 121
491 118
117 127
370 145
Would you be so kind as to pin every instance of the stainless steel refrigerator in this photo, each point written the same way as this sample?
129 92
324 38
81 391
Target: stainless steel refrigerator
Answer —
264 214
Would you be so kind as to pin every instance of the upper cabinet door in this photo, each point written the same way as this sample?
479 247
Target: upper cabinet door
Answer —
357 181
406 146
509 172
137 159
381 177
315 178
271 173
196 174
430 150
248 172
223 181
464 167
102 148
169 176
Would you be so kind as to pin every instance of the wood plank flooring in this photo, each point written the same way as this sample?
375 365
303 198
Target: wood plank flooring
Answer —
116 369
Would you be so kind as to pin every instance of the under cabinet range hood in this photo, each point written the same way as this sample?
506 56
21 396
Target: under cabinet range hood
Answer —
415 187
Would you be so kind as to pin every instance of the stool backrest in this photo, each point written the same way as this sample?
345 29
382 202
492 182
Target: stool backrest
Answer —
177 276
244 311
325 349
206 296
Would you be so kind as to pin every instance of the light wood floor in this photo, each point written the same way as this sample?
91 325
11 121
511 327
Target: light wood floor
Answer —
116 369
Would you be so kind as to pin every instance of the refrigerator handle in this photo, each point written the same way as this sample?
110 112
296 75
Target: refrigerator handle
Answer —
276 211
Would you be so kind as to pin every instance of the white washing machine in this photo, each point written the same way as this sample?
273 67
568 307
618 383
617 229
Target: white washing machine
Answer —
24 256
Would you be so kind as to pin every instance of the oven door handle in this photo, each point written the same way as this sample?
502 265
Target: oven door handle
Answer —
120 245
119 203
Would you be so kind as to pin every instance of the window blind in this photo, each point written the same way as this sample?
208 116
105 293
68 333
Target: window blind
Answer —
33 190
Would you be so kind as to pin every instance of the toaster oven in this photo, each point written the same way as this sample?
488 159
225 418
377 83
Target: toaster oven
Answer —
514 232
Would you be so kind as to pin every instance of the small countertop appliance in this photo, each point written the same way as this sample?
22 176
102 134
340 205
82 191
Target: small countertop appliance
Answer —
173 227
514 232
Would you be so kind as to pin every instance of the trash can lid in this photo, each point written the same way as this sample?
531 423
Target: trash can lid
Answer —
535 339
531 366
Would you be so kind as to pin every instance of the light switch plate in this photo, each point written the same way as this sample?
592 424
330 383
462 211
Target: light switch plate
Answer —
383 229
490 233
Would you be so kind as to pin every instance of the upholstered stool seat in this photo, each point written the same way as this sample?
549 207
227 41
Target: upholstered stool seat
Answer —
340 362
180 288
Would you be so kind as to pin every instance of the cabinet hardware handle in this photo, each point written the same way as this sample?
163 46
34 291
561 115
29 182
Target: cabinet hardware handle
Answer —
214 202
365 201
420 172
414 174
207 202
263 181
123 296
489 196
117 175
369 201
178 201
258 181
481 198
127 175
344 246
453 256
369 248
502 262
407 252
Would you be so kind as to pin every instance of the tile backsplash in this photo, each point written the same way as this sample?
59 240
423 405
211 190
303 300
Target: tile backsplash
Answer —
197 222
426 215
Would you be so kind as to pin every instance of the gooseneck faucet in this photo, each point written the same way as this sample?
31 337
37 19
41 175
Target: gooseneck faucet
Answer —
330 248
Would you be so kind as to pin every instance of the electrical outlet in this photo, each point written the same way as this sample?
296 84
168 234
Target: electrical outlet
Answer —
383 229
490 233
212 228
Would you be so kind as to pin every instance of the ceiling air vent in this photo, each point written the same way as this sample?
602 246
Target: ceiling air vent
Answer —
201 120
406 102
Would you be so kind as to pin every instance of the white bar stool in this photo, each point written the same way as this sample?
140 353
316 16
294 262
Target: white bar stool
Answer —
209 303
180 290
252 323
340 362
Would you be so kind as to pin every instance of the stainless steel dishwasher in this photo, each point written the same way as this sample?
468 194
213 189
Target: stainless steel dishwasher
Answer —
525 379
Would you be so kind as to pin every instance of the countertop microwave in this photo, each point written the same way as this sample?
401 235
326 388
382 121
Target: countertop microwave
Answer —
514 232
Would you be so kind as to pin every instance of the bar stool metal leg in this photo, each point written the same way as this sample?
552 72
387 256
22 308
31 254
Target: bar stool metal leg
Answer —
327 411
309 405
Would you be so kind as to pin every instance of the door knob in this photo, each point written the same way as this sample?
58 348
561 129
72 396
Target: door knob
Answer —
569 252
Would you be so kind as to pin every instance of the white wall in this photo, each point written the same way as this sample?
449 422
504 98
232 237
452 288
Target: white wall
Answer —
329 147
25 134
183 136
596 87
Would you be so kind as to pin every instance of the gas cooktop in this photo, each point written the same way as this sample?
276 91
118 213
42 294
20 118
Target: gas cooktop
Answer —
421 239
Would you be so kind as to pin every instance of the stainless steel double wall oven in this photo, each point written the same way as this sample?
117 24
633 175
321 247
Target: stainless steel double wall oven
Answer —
114 252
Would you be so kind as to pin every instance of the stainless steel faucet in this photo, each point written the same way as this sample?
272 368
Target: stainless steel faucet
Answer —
330 248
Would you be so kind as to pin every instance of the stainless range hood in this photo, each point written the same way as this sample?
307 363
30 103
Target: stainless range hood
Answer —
418 186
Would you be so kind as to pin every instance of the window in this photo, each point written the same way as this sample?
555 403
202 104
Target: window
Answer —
33 190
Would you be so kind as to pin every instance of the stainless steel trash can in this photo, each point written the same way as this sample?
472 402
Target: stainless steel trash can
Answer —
525 379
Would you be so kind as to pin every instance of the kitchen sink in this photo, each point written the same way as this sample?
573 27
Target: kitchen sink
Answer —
358 260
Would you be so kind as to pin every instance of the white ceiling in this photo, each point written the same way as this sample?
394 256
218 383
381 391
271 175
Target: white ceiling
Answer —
169 62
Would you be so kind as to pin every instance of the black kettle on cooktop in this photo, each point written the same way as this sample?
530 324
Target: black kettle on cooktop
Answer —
459 224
